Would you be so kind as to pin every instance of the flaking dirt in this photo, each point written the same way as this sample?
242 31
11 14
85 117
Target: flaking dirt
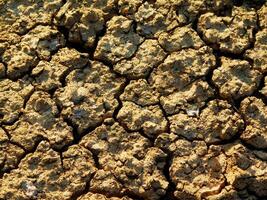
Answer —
133 100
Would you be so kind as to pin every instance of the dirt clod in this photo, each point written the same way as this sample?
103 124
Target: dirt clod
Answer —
133 100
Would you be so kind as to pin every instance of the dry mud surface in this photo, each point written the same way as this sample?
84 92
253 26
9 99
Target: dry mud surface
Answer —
133 100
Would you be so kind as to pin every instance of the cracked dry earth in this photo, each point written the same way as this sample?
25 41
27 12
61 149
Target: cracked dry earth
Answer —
133 100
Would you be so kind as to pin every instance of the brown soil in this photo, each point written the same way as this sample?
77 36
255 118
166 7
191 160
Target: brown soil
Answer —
133 100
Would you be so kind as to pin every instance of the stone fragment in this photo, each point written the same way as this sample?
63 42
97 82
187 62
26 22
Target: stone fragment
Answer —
236 78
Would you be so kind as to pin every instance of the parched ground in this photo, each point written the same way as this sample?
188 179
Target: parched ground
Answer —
133 100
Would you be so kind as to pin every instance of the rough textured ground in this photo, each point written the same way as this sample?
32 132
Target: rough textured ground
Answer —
133 100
